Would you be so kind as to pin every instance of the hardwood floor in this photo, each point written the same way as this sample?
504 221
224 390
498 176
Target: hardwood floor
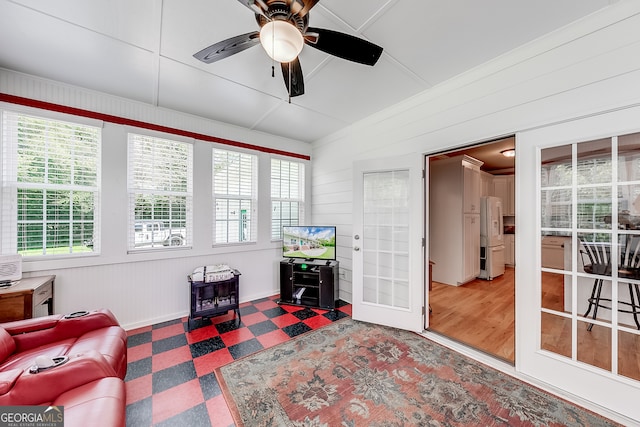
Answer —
593 346
480 314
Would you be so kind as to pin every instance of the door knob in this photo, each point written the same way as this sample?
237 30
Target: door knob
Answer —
355 248
357 237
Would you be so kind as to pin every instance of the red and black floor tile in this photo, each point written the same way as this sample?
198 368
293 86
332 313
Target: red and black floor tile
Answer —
170 379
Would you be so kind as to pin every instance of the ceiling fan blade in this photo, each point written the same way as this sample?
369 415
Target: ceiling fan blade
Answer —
228 47
297 79
257 6
343 45
307 5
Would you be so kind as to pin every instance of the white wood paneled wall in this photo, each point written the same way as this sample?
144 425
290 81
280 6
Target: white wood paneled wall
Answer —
587 68
147 292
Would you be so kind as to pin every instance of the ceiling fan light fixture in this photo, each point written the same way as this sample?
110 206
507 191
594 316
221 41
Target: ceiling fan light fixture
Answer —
509 153
281 40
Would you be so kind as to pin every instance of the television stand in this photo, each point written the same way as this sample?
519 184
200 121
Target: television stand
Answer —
312 283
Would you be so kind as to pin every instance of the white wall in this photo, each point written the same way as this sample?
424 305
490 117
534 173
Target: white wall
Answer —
587 68
146 288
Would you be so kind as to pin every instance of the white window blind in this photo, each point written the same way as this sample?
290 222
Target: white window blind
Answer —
160 182
234 196
50 186
287 195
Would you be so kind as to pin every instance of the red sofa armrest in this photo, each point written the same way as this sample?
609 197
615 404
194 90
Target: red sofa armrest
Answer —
29 325
8 379
31 333
44 386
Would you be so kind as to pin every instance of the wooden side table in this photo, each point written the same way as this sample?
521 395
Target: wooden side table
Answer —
30 297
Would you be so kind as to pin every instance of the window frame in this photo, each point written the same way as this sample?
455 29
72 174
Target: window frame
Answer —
228 196
275 229
11 184
170 233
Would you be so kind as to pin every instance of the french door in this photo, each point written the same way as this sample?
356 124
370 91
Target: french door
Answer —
387 242
585 176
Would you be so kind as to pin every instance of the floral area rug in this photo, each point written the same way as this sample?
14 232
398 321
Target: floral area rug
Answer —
351 373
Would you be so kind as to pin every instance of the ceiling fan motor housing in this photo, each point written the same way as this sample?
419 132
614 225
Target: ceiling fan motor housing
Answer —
280 11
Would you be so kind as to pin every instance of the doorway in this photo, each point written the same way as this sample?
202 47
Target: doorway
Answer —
473 280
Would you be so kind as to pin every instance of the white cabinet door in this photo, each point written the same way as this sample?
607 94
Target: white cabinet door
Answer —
509 249
471 247
500 190
471 191
510 209
486 184
504 187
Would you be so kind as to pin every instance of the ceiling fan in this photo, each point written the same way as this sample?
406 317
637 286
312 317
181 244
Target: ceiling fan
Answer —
284 29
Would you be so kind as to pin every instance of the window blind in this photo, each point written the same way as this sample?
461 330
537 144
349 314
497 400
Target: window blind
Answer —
235 196
287 195
160 186
50 186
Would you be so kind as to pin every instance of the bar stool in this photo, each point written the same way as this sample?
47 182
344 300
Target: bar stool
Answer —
599 263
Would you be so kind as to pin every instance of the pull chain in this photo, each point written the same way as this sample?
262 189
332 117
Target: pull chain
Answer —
289 82
273 48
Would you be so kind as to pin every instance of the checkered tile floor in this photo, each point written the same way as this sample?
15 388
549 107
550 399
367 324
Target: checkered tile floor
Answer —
170 380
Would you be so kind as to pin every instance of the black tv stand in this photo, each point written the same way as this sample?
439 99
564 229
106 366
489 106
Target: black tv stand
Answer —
309 283
210 299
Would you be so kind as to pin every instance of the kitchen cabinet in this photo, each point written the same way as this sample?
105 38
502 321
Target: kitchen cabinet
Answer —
472 185
553 252
454 219
486 184
471 241
510 249
504 187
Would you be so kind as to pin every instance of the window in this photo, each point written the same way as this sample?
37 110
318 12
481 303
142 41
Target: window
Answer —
234 196
590 199
50 186
287 195
160 192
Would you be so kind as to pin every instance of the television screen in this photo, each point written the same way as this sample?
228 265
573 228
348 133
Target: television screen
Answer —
309 242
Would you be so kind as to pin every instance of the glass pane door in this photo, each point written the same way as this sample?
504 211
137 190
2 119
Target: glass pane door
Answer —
590 252
385 238
388 231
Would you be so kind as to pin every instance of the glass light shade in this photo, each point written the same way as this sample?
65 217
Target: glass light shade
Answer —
509 153
281 40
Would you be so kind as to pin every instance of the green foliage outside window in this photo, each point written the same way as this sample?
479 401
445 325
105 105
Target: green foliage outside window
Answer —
56 184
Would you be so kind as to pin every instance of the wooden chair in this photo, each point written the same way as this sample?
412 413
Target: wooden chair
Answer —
598 262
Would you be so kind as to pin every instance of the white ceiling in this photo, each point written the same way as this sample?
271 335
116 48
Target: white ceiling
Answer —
142 50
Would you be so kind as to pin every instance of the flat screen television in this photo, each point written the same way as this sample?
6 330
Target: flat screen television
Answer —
309 242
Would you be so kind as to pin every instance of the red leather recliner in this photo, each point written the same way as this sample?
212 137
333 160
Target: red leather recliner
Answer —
62 335
90 353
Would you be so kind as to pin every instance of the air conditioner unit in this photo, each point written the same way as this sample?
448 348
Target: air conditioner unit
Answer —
10 268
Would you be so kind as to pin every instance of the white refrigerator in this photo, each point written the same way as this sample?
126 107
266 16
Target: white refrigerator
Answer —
491 238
